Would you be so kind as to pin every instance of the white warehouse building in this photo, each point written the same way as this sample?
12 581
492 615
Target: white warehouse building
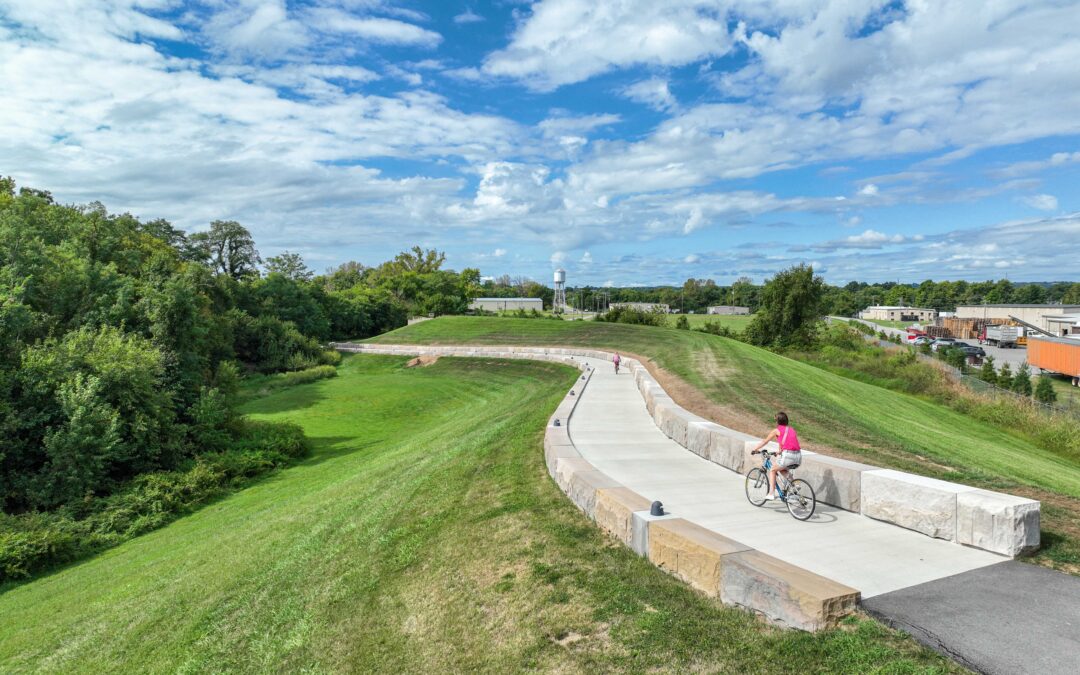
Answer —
727 309
898 313
507 304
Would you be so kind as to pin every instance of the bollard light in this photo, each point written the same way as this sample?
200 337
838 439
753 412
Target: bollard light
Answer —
557 423
572 393
657 509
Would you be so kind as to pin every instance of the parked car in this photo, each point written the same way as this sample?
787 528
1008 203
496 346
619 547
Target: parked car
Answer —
922 340
942 343
970 350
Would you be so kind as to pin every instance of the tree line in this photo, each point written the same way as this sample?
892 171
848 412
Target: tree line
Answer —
697 295
122 340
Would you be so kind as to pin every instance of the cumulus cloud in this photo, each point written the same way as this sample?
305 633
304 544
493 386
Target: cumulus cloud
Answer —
564 41
653 92
499 252
375 29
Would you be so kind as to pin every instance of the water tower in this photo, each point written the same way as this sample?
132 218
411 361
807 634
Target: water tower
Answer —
559 304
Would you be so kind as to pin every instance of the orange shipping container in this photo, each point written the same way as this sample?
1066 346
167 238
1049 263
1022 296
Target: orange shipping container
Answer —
1058 355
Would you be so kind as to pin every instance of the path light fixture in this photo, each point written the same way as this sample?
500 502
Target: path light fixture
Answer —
657 509
572 393
557 423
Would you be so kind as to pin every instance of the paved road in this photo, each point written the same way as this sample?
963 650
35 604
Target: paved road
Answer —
612 429
1007 618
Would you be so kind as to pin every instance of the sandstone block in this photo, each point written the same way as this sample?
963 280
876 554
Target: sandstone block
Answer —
615 509
642 520
691 552
783 593
566 467
922 504
835 481
997 522
554 452
558 434
584 486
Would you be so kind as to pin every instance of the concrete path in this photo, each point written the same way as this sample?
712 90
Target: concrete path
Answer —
1005 618
612 430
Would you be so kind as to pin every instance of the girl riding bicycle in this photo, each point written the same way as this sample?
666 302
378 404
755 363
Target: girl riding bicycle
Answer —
790 451
616 360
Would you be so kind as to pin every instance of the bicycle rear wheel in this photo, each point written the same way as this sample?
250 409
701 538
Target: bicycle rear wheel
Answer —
800 499
757 486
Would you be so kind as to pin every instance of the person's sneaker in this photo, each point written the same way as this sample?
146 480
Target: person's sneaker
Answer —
770 498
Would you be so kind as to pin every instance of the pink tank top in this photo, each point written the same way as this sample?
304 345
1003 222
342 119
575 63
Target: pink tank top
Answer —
788 439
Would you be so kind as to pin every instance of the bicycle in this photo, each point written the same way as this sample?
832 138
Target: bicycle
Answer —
616 367
794 492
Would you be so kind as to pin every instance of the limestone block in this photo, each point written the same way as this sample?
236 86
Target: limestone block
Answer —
566 467
553 453
783 593
750 461
558 435
584 486
673 421
691 552
615 509
918 503
642 521
997 522
729 450
700 437
835 481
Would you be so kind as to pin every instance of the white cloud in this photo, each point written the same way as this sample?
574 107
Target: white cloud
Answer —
868 190
565 41
499 252
375 29
1042 202
558 257
692 259
468 16
653 92
586 258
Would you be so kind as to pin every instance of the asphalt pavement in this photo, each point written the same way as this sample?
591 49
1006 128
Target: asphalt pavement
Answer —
1014 357
1011 617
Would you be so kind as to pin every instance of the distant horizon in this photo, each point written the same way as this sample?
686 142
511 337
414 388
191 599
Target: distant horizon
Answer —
634 144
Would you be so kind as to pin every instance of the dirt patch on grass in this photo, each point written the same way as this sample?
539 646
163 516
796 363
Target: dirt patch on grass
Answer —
422 361
694 400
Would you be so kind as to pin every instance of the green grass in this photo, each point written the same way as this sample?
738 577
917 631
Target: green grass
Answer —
735 323
423 535
892 324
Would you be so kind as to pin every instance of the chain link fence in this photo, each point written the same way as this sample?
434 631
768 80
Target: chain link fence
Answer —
1069 406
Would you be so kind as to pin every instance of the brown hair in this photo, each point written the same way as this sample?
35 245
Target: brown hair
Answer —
781 419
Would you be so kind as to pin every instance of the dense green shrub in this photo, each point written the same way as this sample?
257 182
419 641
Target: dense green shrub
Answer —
633 316
1021 382
1044 391
35 541
682 323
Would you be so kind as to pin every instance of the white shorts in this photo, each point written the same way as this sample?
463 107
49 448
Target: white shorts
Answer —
789 460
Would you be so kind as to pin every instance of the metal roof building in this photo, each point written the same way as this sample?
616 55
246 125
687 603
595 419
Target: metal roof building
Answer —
507 304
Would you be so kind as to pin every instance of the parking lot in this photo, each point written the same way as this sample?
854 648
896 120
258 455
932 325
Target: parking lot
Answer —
1014 357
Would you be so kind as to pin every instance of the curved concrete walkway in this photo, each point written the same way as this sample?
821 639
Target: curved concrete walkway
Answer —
613 431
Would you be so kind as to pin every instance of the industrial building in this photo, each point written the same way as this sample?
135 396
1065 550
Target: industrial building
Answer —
727 309
1065 325
898 313
1044 316
643 306
507 304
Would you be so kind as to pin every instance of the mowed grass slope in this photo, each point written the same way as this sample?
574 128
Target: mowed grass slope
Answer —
424 535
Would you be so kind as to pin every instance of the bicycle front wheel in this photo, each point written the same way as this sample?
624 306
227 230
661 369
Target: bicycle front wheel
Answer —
800 499
757 486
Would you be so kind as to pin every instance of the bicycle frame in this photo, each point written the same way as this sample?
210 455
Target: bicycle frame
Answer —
779 474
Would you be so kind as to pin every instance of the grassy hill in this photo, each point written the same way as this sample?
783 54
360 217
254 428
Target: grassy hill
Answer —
833 413
423 535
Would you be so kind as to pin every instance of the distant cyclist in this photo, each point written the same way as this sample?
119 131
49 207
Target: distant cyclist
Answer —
790 450
616 360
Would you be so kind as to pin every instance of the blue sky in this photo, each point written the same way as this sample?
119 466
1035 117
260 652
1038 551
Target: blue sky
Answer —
630 141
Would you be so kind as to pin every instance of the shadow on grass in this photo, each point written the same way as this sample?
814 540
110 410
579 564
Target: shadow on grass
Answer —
296 397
